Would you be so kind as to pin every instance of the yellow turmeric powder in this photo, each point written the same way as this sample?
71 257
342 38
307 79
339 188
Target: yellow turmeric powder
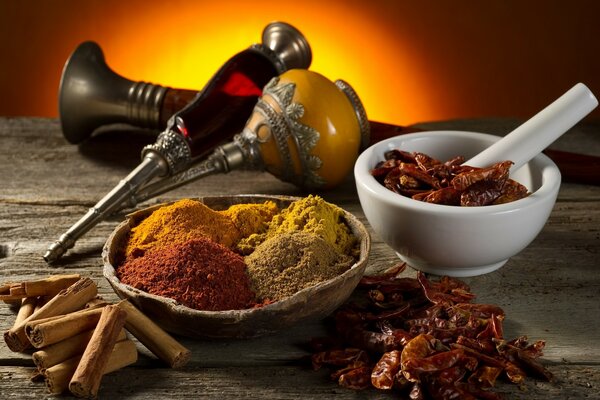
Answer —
179 222
310 214
251 217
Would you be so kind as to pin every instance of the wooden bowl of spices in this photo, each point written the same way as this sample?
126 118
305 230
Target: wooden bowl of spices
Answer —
222 308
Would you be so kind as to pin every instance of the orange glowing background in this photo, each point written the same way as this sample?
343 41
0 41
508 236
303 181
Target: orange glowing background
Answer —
409 61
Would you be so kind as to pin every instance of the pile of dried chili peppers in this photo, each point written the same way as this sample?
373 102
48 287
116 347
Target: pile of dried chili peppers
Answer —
424 338
421 177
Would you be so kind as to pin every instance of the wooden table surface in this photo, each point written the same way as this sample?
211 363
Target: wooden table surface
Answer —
549 291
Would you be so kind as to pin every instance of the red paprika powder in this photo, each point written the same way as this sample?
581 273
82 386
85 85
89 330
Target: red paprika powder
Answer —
198 273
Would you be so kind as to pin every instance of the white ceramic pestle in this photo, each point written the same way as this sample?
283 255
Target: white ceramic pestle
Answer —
529 139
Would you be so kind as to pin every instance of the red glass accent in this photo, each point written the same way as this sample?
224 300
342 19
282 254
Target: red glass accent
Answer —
222 108
240 85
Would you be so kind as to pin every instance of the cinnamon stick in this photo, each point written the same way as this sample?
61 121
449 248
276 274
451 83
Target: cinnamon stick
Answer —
67 300
74 346
5 293
58 376
49 286
42 333
27 308
10 298
153 337
5 288
86 379
17 290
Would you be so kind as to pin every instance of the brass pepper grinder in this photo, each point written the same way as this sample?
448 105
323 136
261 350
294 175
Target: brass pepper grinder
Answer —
218 112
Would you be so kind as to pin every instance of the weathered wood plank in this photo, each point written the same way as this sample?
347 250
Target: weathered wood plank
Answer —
549 290
281 382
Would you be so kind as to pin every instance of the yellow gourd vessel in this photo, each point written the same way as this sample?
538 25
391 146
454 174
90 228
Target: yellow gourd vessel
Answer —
307 130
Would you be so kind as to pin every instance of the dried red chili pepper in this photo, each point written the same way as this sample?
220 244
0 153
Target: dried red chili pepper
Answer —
383 278
376 296
399 286
534 349
496 172
357 378
511 191
484 346
420 195
481 193
485 376
416 392
526 361
352 315
455 162
414 368
449 347
400 155
422 176
409 183
426 162
352 366
401 334
447 196
447 291
340 357
514 373
392 181
493 329
418 348
384 371
383 168
425 178
450 376
376 342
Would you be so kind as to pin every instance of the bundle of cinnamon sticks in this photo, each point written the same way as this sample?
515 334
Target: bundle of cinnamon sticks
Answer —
78 337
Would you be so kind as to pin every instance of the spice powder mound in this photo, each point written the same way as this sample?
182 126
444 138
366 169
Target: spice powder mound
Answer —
289 262
250 218
179 222
311 214
199 274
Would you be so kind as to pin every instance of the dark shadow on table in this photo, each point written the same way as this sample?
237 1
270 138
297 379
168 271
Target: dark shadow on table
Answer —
119 145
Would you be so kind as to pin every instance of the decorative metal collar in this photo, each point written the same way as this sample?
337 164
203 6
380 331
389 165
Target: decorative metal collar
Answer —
286 124
173 148
359 111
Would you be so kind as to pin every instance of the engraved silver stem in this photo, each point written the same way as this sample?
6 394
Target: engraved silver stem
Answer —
152 165
239 153
169 154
